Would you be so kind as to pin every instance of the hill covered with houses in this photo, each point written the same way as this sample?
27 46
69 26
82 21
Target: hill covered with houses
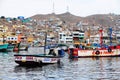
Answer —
55 23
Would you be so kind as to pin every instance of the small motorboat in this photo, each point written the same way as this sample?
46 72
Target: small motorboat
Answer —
49 56
39 59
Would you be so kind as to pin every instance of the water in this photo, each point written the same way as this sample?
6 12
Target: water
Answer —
77 69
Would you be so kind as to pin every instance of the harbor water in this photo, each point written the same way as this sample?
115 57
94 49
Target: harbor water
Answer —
107 68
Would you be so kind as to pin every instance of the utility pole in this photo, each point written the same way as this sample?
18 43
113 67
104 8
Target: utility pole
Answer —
53 8
67 8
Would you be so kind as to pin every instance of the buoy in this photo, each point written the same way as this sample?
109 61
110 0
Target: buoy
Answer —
97 52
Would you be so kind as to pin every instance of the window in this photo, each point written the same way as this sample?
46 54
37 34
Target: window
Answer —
60 36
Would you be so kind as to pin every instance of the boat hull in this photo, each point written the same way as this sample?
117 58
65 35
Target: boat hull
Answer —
77 53
35 60
10 47
27 63
20 47
3 47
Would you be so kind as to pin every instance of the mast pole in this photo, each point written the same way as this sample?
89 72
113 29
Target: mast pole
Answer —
101 36
45 42
110 30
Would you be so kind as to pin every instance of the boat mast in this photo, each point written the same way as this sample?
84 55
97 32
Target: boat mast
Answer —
3 36
101 36
45 42
110 33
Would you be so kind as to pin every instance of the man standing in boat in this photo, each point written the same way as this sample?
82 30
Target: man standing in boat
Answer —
52 52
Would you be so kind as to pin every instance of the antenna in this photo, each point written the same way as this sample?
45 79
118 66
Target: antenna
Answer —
53 7
67 8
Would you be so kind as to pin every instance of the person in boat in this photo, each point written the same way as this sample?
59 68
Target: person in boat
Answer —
52 52
81 47
77 46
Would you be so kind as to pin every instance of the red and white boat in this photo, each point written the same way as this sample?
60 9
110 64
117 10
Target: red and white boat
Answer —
110 51
102 52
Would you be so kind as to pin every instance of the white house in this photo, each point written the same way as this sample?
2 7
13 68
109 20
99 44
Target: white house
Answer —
65 38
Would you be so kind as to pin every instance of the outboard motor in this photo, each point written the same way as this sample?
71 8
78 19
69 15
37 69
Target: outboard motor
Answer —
71 53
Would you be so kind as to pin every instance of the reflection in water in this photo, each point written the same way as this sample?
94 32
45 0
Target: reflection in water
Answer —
39 73
18 69
98 68
69 69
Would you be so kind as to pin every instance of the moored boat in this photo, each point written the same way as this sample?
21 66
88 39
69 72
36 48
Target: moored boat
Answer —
10 47
102 52
39 59
3 47
99 51
21 47
49 56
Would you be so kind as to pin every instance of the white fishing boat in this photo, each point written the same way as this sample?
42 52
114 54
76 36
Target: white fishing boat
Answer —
49 56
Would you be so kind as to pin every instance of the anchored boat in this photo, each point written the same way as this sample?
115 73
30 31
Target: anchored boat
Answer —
102 52
109 51
3 47
49 56
38 59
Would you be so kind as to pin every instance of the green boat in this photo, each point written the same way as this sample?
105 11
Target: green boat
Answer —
3 47
10 47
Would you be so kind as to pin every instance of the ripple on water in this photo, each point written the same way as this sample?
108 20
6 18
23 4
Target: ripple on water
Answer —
77 69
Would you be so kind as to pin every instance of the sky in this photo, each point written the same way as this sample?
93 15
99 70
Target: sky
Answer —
27 8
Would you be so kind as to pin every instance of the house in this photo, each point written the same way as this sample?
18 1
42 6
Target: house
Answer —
65 38
78 36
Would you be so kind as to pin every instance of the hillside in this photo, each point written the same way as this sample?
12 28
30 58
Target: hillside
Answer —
98 19
68 17
65 17
102 19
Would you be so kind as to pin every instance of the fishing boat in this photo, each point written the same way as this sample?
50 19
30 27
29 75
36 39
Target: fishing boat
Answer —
10 47
21 47
49 56
3 47
36 59
102 51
